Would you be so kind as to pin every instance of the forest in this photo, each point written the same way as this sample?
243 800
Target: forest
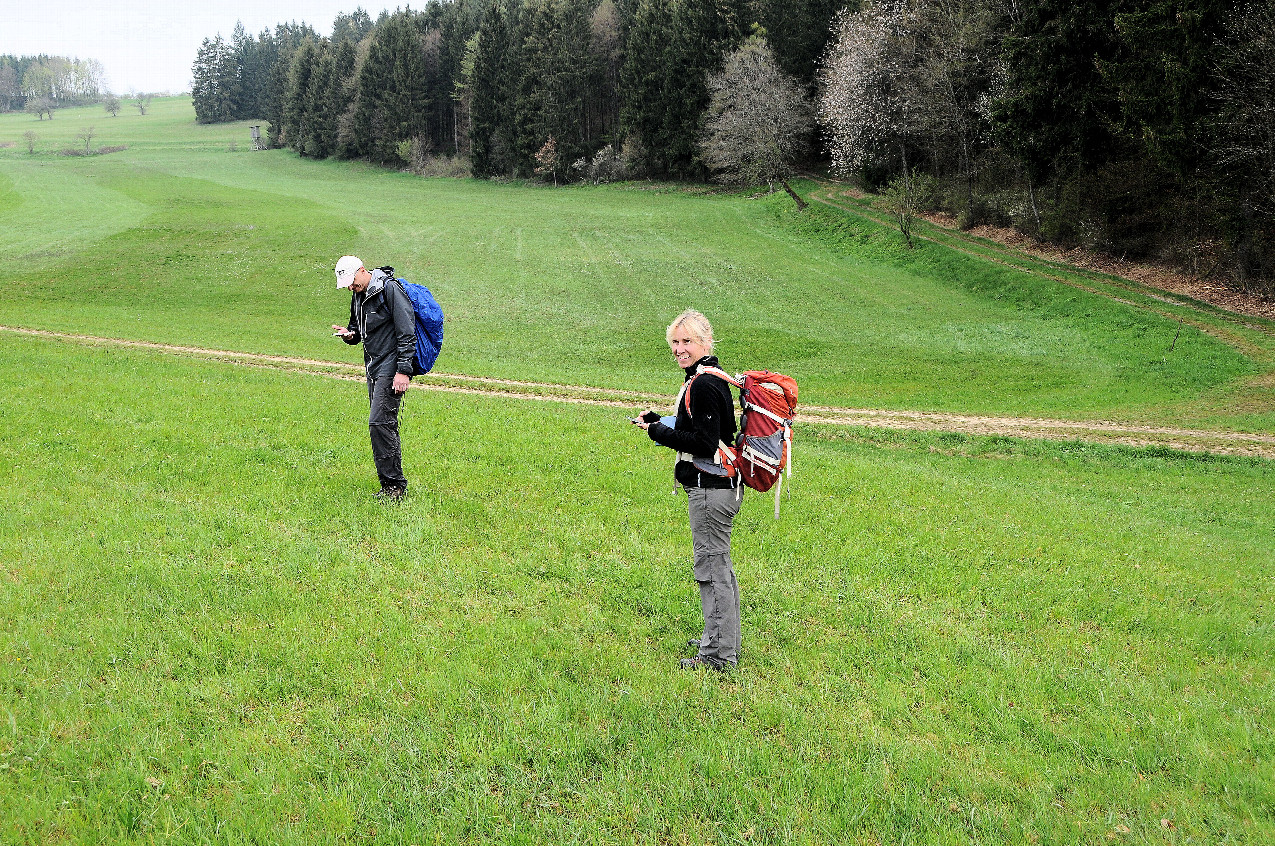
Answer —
1141 128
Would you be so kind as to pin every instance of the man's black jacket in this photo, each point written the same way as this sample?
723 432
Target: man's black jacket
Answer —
382 318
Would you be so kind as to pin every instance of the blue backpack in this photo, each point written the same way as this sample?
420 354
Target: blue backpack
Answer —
429 323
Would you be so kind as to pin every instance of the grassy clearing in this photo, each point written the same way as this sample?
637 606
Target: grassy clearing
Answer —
1246 403
210 636
181 240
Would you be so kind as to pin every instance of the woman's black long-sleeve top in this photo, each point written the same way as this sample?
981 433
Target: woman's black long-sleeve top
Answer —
711 420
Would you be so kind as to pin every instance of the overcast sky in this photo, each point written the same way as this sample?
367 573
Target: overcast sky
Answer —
149 45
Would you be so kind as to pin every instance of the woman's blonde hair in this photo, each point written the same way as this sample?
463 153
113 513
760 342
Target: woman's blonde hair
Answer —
696 325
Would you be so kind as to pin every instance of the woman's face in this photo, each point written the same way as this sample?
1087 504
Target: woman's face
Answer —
686 350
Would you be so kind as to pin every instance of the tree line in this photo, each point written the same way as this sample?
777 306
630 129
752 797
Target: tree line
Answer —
1145 128
494 80
42 83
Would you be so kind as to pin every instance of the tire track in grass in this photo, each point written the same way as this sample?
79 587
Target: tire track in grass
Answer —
350 370
1096 431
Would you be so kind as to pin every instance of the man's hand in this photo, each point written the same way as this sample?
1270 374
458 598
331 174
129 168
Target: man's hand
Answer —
341 331
401 381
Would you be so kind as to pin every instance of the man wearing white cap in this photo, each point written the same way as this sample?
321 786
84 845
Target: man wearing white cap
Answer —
381 318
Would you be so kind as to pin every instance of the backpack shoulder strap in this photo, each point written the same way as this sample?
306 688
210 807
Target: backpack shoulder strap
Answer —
712 371
686 392
721 374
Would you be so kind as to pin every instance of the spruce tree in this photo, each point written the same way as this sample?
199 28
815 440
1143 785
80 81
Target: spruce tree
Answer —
799 31
321 139
296 111
243 97
673 46
391 105
203 83
340 94
1057 110
215 81
287 38
491 111
602 93
556 66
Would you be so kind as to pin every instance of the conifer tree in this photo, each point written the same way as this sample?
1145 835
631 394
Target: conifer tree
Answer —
1160 72
243 97
296 107
392 95
492 135
798 32
321 139
1056 110
340 95
602 105
215 81
203 83
286 40
353 27
673 46
556 66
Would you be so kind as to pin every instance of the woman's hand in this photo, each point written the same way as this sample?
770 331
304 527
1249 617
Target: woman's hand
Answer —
646 418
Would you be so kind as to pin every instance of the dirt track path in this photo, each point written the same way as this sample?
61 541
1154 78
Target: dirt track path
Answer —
1096 431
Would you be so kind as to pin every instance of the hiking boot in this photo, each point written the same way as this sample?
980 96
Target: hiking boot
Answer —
700 662
694 643
391 492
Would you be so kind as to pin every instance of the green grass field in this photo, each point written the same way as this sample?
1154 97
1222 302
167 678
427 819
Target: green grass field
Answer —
211 633
196 243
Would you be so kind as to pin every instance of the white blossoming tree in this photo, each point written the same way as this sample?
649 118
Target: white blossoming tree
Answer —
863 101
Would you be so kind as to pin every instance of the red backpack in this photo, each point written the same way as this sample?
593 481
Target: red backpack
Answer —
763 449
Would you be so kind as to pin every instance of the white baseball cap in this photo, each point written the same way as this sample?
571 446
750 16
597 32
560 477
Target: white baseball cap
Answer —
346 267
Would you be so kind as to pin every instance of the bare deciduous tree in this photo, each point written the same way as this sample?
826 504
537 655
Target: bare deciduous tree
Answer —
112 105
40 106
947 89
1246 93
86 135
758 121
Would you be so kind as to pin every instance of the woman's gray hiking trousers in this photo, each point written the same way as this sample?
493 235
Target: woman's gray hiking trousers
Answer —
712 512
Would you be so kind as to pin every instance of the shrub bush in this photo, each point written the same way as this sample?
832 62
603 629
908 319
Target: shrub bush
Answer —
100 151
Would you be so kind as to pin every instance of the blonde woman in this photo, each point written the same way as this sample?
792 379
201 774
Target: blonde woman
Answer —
698 428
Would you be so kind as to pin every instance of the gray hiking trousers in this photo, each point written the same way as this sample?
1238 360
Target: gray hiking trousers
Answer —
387 452
712 512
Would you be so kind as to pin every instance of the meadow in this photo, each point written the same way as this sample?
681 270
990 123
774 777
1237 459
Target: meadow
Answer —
211 633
